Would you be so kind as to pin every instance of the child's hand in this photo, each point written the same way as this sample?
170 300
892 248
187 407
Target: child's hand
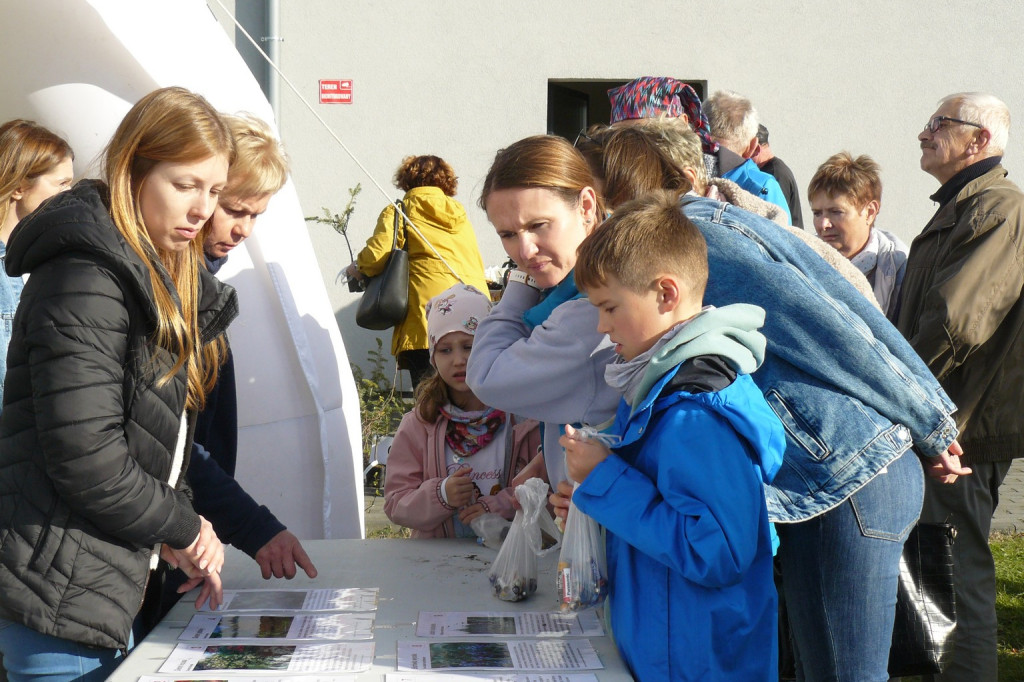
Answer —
471 512
560 501
459 488
581 456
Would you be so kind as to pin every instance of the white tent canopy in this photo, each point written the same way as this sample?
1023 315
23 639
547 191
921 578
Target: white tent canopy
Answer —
76 66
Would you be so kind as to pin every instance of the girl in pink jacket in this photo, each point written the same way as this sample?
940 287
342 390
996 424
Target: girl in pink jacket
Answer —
453 457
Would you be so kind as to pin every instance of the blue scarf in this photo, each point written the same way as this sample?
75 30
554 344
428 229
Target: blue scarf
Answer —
552 298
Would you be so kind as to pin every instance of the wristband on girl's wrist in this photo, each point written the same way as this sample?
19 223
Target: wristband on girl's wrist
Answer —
442 493
522 278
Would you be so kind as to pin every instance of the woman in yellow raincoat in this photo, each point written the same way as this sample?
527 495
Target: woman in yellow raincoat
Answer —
429 184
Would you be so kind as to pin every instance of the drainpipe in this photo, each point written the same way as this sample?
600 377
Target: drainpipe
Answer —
272 43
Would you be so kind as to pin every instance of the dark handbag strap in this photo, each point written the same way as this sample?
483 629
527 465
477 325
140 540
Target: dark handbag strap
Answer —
509 449
399 223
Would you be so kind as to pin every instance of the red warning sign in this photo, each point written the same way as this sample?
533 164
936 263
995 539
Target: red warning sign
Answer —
336 91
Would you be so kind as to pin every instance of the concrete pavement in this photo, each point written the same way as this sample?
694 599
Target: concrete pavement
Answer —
1009 516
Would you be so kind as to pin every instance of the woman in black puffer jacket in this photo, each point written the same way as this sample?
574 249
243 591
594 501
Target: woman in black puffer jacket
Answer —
116 336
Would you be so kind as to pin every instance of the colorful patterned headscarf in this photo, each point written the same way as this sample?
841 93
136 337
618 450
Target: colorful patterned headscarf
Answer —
652 96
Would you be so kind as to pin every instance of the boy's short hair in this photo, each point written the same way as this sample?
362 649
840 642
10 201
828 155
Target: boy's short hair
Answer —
645 238
260 166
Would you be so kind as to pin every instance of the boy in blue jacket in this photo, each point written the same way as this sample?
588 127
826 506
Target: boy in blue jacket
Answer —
681 495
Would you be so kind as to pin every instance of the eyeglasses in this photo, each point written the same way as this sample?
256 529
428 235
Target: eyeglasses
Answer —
935 125
583 136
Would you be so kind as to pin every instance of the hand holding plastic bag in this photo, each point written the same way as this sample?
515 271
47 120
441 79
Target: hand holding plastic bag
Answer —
514 572
582 579
582 567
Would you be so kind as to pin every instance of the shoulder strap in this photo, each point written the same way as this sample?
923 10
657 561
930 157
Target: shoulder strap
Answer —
509 450
399 223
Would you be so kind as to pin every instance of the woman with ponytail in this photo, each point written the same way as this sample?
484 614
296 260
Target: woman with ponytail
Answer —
116 339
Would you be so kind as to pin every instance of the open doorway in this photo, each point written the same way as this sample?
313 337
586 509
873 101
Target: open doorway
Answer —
575 105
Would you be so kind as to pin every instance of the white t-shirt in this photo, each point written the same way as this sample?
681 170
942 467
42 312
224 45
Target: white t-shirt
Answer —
488 464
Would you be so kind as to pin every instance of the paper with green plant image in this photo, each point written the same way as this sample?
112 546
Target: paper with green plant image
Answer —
263 600
348 657
572 654
508 624
298 627
261 678
477 677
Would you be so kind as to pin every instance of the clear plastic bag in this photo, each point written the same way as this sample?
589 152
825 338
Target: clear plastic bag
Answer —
491 529
582 578
514 571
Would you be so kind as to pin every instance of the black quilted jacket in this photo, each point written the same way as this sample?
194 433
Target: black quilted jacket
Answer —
86 434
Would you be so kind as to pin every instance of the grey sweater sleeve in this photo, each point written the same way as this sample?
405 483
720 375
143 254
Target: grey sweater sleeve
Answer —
554 373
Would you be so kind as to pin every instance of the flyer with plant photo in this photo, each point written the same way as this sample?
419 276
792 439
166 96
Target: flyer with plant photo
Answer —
575 654
342 599
469 677
299 627
509 624
348 657
290 678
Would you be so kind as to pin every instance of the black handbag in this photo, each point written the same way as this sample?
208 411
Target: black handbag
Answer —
922 636
386 299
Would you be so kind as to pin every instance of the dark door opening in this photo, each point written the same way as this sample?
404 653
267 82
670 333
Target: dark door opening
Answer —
575 105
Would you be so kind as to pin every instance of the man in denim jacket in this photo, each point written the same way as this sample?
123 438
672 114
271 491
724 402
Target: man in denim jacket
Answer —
963 312
854 399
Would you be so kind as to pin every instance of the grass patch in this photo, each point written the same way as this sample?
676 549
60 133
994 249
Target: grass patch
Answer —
378 526
388 532
1008 552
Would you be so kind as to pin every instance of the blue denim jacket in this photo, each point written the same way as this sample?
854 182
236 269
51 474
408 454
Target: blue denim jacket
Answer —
10 294
850 391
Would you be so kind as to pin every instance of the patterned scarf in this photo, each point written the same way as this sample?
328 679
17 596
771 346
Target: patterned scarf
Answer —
468 432
882 261
651 96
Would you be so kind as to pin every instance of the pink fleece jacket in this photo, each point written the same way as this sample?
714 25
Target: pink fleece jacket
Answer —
416 468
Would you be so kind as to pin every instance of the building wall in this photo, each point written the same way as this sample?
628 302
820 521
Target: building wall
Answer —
461 79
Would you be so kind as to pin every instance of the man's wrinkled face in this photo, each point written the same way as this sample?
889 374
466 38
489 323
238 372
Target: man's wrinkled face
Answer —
944 153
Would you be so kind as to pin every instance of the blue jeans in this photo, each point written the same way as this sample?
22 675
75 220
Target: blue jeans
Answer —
30 655
839 573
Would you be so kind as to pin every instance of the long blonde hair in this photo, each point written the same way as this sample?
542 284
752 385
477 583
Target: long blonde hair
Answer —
177 126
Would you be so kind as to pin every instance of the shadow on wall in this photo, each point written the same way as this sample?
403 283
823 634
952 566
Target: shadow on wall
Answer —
362 347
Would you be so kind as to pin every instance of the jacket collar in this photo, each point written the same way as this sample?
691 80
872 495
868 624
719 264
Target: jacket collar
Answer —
728 160
702 374
960 180
218 302
946 216
218 306
78 221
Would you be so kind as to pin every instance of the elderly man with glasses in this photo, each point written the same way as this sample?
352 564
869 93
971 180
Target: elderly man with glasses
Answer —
962 310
